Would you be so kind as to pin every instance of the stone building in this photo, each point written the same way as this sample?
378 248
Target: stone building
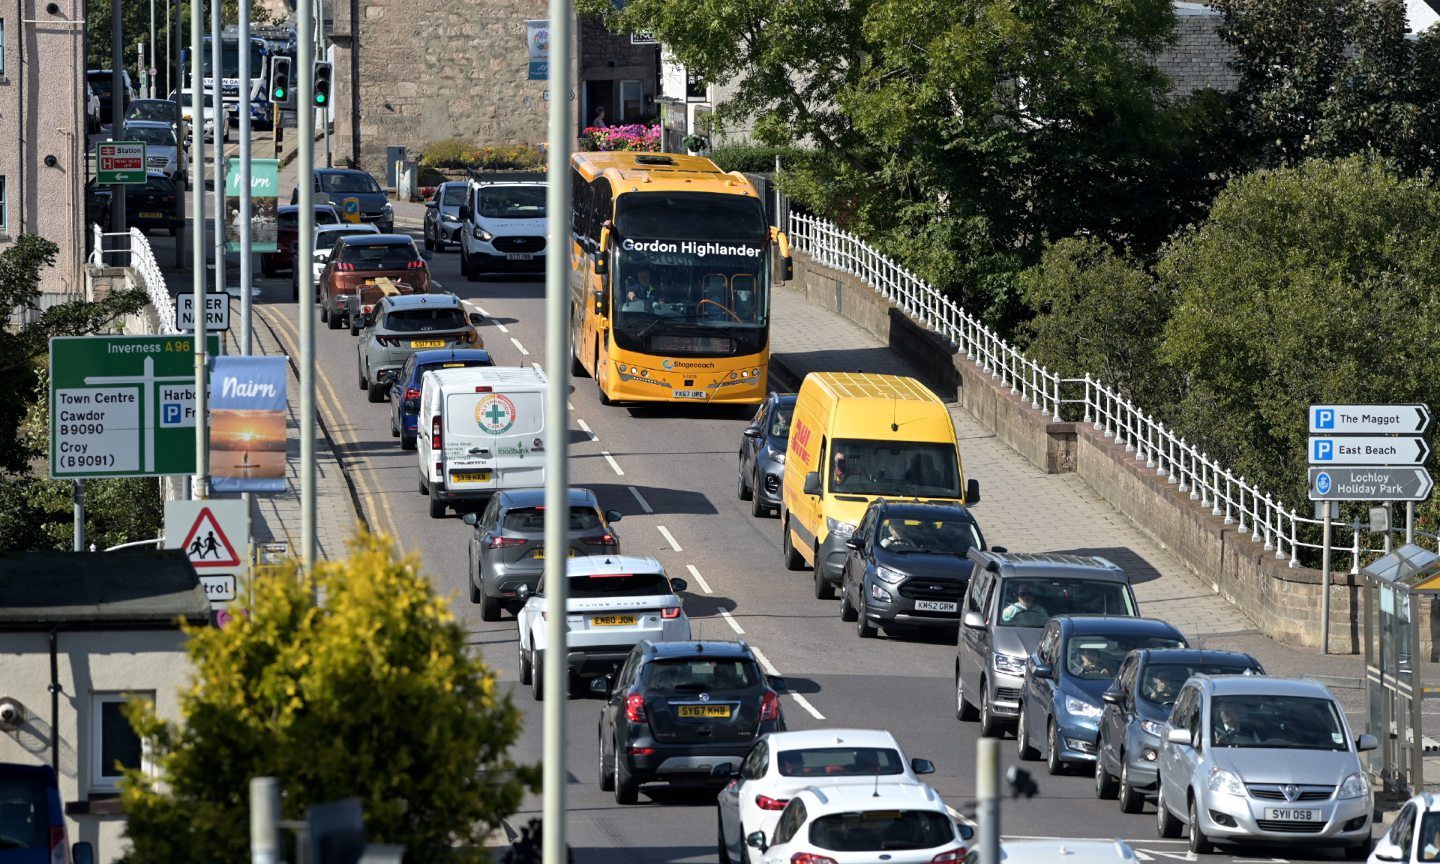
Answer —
619 72
42 118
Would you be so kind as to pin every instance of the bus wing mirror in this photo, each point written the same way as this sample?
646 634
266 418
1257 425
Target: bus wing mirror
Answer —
602 254
787 263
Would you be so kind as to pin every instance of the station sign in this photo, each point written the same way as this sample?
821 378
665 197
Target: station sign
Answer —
120 162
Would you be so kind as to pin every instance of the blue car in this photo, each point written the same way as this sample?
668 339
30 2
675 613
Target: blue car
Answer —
1066 676
1137 706
405 394
32 822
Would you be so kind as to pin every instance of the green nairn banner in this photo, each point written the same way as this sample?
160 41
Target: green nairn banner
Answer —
264 197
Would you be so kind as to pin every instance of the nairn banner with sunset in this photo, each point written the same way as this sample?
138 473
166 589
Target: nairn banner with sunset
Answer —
247 424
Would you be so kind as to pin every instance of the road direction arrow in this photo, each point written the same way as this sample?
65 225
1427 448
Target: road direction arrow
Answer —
1368 450
1370 484
1368 419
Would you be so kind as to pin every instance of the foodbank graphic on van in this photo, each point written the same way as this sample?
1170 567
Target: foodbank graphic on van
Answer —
495 414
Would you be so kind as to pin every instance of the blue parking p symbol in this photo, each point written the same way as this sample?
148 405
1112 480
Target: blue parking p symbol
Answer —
1324 418
1324 450
170 412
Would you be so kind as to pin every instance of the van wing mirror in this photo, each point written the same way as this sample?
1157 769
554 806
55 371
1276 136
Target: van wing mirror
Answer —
464 213
972 492
1366 742
1113 697
812 483
974 620
1178 736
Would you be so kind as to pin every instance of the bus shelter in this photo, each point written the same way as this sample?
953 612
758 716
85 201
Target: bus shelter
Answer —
1399 671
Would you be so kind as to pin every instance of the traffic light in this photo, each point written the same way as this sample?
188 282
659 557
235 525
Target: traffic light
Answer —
281 92
322 85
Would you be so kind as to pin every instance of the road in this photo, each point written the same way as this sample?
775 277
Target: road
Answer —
671 471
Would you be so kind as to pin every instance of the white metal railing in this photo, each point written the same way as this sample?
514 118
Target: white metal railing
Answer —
135 253
1265 519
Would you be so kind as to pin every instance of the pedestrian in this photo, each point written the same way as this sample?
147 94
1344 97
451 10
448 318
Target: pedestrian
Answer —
599 121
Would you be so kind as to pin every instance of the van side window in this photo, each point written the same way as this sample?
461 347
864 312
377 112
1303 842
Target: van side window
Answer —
977 587
820 462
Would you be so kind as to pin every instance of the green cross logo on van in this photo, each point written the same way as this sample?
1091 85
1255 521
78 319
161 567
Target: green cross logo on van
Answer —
495 414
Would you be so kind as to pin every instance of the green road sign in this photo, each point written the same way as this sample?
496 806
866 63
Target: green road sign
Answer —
119 162
122 406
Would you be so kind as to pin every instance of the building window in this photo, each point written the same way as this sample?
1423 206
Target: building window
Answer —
114 742
4 206
2 47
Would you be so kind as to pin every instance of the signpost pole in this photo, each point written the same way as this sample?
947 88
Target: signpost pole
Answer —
1389 521
217 92
200 488
557 475
79 496
1409 522
304 172
117 117
1325 578
176 76
245 97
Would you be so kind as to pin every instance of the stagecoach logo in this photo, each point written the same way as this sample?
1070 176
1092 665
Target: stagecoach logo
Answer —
495 414
667 363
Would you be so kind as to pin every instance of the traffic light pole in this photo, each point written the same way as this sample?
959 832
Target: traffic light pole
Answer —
245 101
222 128
305 173
200 488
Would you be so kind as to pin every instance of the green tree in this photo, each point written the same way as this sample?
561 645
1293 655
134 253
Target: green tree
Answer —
1331 78
135 28
1096 312
371 694
1314 284
959 136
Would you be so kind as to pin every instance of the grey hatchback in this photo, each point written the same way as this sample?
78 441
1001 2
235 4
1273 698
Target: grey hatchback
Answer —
507 549
399 326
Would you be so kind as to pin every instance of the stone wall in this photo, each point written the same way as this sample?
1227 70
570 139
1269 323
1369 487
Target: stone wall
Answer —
431 70
1283 601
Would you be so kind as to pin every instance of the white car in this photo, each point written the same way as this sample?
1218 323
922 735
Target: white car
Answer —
907 822
324 243
186 99
1067 851
616 601
1414 836
782 763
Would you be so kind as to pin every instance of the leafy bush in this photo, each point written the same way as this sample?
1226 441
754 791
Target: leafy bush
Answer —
454 154
756 158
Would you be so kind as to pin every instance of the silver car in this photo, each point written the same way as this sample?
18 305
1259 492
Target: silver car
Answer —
762 454
401 325
442 215
1254 760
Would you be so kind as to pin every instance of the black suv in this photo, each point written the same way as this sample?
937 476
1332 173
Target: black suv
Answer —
906 565
677 710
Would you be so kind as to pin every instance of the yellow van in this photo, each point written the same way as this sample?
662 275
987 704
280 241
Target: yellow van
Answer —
856 437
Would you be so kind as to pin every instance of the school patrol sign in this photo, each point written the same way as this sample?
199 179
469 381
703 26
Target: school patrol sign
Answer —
216 538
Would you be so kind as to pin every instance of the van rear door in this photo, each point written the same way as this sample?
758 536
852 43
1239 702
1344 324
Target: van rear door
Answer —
491 438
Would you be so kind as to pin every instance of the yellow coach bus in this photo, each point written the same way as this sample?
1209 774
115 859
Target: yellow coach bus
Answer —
670 268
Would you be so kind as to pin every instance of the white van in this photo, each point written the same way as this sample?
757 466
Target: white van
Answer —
480 429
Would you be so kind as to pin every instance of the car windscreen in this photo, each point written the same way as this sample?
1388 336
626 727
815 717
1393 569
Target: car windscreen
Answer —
207 100
424 320
1098 657
701 674
24 814
348 182
152 109
840 762
882 830
511 202
379 256
453 196
1276 722
531 520
898 468
326 239
1061 596
903 535
619 585
1160 682
151 135
154 186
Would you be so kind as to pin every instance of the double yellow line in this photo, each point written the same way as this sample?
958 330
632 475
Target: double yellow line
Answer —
337 421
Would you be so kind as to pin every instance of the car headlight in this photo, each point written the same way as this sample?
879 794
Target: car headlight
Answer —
1223 781
778 456
1008 664
878 593
1153 727
1354 786
483 236
838 528
387 210
889 575
1081 708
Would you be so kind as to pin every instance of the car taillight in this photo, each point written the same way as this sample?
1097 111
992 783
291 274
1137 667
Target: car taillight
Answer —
765 802
59 852
415 265
635 708
344 265
810 858
502 542
640 751
412 393
606 539
769 706
672 612
954 856
487 390
435 442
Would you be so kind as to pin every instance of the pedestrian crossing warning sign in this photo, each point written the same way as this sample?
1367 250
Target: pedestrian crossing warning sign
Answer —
206 544
214 534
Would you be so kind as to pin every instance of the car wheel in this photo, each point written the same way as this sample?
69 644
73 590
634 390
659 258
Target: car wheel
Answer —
823 589
437 507
1105 783
1199 843
627 791
1131 800
989 723
1022 738
742 491
407 442
537 676
295 290
863 629
394 432
360 372
174 232
429 244
758 507
847 611
526 672
1053 763
722 849
964 710
354 326
267 269
489 606
793 561
332 318
468 267
600 386
324 313
475 593
375 393
607 768
1166 825
439 242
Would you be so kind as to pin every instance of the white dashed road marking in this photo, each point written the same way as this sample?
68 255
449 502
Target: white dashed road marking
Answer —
704 586
519 347
669 538
771 670
503 328
593 437
613 463
644 505
734 625
805 703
